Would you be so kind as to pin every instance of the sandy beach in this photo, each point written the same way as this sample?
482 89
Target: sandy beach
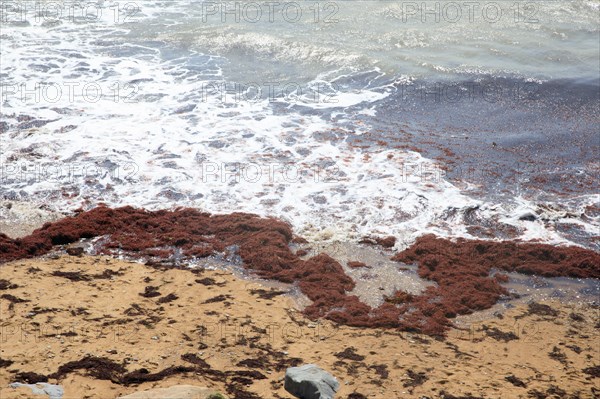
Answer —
238 336
198 196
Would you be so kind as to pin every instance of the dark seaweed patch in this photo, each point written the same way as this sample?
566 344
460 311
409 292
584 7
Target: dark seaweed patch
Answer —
594 371
381 370
208 281
445 395
350 354
143 375
515 381
13 299
499 335
150 292
73 276
576 317
30 377
218 298
539 309
415 379
97 367
356 395
558 355
266 294
7 285
194 359
169 298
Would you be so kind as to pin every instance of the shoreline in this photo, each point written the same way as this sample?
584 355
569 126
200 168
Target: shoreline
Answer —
464 275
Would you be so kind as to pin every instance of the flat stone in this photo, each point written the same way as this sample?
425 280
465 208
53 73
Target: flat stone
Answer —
51 391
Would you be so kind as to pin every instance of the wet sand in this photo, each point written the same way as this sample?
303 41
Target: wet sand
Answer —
238 336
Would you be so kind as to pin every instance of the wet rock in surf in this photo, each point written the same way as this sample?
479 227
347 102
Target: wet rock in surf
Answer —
528 217
385 242
34 124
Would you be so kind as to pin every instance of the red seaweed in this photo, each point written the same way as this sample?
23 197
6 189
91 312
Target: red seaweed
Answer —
461 268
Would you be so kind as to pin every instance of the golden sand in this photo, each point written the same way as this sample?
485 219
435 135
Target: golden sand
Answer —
517 355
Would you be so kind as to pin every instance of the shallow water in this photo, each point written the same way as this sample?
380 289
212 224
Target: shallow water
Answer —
530 289
356 118
384 277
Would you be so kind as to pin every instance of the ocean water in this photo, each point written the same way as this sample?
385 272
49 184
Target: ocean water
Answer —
345 118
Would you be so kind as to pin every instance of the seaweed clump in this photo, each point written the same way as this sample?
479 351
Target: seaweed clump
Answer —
460 268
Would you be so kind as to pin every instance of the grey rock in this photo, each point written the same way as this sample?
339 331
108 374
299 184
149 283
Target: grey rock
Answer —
4 127
310 382
42 388
185 109
528 217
